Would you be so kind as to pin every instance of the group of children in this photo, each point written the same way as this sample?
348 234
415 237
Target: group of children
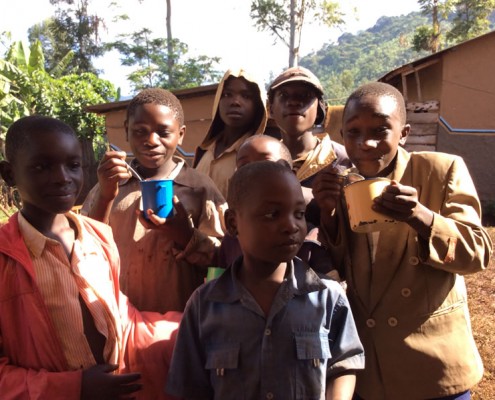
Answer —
93 306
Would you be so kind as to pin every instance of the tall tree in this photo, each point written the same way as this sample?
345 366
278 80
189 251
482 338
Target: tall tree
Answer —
285 19
27 88
429 38
471 19
152 56
170 43
72 28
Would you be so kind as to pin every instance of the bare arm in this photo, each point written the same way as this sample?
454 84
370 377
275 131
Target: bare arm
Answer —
341 387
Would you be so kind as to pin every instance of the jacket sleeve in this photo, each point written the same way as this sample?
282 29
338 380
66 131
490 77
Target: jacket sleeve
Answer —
345 345
207 236
458 243
24 383
149 340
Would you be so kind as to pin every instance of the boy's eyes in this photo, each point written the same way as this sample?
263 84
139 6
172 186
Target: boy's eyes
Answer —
145 132
244 95
75 165
378 131
300 214
271 215
301 96
139 132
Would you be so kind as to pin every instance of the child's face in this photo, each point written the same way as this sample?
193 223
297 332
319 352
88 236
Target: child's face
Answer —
48 173
154 133
295 108
372 130
270 223
237 105
258 150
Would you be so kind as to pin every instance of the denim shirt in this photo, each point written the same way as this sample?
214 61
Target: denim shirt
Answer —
228 349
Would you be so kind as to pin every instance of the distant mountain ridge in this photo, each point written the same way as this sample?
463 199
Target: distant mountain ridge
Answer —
365 56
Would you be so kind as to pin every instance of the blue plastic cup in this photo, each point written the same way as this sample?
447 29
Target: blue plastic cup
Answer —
157 195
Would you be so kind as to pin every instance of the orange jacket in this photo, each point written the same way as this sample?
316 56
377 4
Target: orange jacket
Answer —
32 363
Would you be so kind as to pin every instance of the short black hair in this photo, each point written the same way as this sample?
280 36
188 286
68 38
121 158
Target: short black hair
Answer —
284 151
18 133
378 89
157 96
240 185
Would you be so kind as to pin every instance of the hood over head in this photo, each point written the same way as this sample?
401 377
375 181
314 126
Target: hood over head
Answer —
217 124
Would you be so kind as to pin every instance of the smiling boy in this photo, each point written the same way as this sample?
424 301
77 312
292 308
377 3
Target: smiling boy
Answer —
269 327
405 282
65 327
163 260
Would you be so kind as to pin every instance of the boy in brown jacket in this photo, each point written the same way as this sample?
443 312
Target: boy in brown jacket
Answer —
405 282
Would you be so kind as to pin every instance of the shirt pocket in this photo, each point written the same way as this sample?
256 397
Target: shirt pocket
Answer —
312 352
222 361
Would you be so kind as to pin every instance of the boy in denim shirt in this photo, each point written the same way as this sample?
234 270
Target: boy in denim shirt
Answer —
269 326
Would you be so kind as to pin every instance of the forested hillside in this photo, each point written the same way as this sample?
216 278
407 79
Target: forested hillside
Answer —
368 55
365 56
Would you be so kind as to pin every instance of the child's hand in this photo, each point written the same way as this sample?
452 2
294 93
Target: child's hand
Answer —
111 170
401 203
179 227
98 383
327 189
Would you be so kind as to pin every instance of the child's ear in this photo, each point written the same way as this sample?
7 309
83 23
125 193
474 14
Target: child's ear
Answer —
126 128
404 134
231 222
6 173
182 132
269 109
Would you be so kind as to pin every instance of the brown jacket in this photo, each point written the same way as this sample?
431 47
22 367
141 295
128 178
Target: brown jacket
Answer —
154 274
410 306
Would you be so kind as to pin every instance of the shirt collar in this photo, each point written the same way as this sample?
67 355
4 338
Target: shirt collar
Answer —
301 280
35 240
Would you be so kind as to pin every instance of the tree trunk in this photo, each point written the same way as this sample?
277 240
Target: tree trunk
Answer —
170 47
292 37
435 40
90 165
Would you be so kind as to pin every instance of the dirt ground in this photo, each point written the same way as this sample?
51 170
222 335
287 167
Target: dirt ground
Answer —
481 295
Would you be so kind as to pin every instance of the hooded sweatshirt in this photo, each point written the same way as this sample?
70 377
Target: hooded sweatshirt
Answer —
221 168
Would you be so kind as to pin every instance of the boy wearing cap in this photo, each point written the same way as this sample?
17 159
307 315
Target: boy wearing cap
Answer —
296 104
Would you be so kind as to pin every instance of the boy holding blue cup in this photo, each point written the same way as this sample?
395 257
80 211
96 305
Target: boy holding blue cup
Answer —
163 258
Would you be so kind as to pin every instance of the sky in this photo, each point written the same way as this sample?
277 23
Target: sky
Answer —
215 28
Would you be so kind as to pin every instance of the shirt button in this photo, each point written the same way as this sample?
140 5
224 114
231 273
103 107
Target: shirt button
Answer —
413 260
268 332
370 323
269 395
392 321
405 292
